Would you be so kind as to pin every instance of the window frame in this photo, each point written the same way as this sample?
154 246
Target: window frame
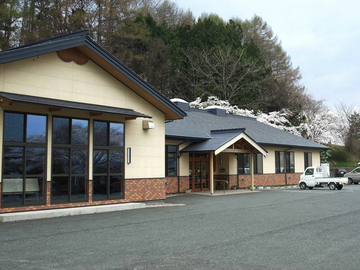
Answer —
108 173
25 145
287 156
167 152
307 157
256 161
70 147
241 158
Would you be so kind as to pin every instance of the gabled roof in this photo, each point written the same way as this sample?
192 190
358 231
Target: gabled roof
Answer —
101 57
222 139
199 123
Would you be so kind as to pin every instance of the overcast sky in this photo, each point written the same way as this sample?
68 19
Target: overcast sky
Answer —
322 37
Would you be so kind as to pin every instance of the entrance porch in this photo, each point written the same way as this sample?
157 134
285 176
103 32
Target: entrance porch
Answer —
213 164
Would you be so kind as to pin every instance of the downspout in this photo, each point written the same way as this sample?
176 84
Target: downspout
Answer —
285 165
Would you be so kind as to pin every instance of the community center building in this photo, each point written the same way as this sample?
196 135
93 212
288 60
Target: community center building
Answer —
79 128
210 149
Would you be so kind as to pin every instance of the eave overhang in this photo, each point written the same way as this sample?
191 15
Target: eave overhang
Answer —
7 99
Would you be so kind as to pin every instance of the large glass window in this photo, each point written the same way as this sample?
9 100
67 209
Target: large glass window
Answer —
108 182
284 162
70 155
258 163
170 160
307 160
244 163
24 159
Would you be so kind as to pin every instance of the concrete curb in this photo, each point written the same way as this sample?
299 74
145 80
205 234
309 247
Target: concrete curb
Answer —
10 217
164 205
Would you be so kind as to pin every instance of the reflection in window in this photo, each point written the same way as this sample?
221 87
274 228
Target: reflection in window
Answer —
13 160
78 187
70 160
24 159
79 132
14 127
284 162
307 160
170 160
116 161
101 133
36 128
100 161
243 163
60 161
35 160
116 134
108 160
258 163
61 128
79 161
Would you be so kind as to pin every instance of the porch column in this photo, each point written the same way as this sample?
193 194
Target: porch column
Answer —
211 173
252 170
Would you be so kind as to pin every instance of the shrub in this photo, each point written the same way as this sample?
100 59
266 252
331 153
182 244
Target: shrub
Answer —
339 154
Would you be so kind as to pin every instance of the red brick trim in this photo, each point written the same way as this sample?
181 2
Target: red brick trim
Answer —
270 179
173 184
136 190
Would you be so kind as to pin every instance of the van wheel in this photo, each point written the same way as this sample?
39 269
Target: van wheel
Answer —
332 186
302 185
339 187
350 181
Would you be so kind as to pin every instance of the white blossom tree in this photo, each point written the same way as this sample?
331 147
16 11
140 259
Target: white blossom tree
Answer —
320 124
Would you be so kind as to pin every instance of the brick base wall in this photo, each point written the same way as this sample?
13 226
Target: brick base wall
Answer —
269 179
243 181
136 190
173 184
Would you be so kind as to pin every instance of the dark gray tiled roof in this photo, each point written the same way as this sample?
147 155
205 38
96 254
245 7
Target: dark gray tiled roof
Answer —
217 140
199 123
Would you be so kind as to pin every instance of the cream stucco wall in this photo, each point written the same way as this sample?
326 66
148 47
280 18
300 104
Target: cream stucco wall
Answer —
269 160
229 163
48 76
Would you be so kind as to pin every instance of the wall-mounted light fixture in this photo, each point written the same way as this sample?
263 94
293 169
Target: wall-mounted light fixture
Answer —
128 155
221 160
148 124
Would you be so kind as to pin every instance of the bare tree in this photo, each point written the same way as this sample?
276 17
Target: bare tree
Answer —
167 12
343 114
222 71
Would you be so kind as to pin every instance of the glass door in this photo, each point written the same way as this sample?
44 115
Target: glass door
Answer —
199 172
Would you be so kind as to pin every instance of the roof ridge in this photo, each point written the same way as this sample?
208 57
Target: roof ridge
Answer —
83 32
228 130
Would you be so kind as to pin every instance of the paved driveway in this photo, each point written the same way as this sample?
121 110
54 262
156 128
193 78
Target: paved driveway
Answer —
271 229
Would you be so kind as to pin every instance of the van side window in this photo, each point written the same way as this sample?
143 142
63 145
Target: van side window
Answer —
309 171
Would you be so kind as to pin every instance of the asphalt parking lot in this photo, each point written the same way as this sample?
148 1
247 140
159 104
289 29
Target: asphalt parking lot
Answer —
271 229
